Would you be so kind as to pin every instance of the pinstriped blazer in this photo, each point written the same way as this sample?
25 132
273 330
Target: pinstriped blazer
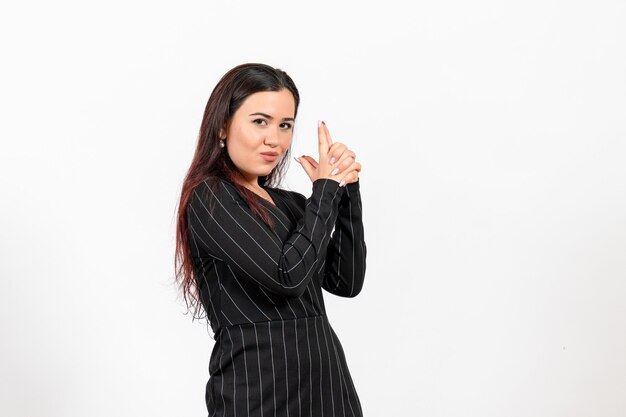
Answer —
276 352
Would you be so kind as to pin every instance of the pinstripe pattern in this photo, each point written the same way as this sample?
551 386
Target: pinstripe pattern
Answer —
276 353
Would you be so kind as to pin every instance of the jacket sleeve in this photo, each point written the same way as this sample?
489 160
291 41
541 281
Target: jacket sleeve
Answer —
344 269
221 225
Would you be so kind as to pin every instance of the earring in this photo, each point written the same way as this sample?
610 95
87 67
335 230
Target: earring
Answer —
222 144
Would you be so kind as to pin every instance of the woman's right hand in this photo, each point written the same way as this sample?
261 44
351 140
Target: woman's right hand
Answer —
343 169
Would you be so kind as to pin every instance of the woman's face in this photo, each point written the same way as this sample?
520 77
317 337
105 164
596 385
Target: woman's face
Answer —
262 124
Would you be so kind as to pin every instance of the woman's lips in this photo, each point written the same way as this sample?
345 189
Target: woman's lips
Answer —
269 157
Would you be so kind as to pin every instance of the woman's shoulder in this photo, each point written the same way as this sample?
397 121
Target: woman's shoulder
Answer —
205 185
214 188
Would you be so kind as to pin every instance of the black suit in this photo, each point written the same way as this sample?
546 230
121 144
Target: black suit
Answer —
276 353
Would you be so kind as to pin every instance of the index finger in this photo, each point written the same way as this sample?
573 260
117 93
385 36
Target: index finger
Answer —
323 139
330 140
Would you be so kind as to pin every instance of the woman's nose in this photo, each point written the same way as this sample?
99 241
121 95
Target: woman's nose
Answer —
271 139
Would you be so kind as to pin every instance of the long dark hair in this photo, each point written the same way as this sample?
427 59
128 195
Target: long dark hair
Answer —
212 163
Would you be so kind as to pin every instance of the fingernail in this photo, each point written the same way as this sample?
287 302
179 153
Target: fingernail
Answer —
297 160
342 183
319 123
336 170
332 160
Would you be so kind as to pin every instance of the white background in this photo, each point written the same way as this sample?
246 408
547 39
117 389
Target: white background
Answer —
493 143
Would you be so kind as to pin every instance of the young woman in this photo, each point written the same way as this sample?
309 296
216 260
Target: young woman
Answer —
254 258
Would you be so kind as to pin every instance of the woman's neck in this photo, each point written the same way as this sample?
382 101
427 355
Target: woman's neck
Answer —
251 183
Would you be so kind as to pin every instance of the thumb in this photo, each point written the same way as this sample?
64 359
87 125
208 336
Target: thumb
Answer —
306 165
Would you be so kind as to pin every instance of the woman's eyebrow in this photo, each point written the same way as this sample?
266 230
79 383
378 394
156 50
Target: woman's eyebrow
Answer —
270 117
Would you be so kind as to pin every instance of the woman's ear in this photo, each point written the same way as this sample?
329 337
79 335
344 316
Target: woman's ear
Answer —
224 130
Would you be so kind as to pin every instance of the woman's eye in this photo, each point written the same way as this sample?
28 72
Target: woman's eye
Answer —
286 125
258 121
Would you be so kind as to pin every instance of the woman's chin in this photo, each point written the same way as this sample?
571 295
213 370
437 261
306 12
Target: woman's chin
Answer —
265 172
